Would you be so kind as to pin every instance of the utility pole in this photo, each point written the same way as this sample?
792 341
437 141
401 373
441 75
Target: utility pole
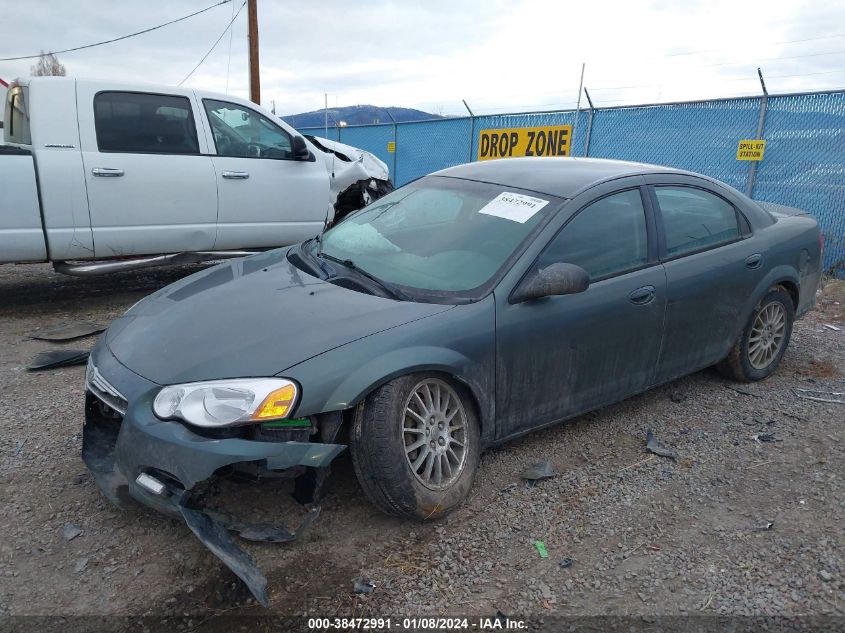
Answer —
254 77
577 108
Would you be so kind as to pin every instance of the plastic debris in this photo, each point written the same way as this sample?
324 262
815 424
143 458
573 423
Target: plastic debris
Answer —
763 527
744 392
540 470
566 563
361 585
70 532
541 549
653 447
263 532
765 437
58 358
217 539
69 330
832 327
819 396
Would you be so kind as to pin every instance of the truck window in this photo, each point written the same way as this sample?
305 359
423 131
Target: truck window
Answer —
17 119
140 123
244 133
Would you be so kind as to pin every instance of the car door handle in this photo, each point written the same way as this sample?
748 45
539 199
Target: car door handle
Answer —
754 261
107 172
236 175
642 296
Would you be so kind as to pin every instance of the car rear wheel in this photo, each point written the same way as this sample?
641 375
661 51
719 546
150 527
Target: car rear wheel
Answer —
763 342
415 446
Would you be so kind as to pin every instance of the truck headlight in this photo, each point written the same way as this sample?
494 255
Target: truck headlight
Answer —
217 403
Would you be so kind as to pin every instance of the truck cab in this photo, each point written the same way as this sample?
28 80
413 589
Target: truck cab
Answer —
126 170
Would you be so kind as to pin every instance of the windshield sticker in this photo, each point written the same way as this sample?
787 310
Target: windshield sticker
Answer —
513 206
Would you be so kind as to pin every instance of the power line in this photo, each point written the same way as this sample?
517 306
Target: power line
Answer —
116 39
216 42
716 50
773 59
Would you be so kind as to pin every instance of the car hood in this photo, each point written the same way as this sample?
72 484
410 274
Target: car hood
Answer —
255 316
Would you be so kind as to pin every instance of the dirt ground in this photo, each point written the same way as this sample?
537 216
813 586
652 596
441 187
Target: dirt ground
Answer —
734 526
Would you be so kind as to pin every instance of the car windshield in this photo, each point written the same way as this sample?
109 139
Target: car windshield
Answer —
439 235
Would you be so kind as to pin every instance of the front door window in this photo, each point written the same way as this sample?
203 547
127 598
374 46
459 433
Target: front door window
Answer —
240 132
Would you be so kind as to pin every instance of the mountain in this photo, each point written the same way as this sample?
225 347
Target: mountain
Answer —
356 115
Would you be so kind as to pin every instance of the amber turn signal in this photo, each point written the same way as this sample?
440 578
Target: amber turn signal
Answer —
277 404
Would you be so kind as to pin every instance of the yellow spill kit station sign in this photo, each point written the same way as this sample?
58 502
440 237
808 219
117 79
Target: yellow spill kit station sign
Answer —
546 140
750 149
391 147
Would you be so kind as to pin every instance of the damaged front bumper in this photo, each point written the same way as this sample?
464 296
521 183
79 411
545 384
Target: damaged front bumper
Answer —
131 454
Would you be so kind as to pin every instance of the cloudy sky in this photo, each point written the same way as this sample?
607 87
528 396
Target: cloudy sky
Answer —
500 56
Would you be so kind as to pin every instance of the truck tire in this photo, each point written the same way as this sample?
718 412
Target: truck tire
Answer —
415 446
759 350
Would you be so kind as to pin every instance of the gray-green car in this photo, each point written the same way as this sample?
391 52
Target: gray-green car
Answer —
463 309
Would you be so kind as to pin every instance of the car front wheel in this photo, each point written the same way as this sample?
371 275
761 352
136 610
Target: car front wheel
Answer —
763 342
415 446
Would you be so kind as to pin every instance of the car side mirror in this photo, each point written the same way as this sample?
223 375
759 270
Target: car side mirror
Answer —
299 148
556 279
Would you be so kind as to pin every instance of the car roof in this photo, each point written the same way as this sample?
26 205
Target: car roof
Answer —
558 176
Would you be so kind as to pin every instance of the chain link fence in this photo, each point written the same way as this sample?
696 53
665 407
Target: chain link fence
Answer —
803 165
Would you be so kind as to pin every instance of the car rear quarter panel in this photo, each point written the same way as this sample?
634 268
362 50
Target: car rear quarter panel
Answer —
458 342
792 257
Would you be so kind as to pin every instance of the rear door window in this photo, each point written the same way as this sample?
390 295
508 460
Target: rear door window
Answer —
694 219
133 122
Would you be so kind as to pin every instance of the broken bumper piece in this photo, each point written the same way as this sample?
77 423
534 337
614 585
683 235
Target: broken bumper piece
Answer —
134 455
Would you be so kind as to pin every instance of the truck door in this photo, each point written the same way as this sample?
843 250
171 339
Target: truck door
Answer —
266 197
151 184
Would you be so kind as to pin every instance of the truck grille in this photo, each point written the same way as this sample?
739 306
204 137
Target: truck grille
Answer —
100 387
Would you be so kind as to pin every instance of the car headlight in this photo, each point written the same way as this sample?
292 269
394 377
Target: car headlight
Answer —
216 403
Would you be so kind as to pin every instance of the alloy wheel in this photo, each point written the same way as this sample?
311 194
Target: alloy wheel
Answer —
767 335
434 430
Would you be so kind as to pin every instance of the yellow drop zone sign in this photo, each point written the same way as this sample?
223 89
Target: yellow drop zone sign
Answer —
548 140
751 149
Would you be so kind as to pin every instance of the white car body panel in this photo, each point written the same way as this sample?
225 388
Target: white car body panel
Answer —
362 166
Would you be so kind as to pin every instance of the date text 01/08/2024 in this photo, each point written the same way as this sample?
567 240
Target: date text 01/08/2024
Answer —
498 623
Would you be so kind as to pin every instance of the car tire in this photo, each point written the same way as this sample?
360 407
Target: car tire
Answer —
392 421
764 340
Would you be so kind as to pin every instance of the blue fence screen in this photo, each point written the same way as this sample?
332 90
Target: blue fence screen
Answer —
803 164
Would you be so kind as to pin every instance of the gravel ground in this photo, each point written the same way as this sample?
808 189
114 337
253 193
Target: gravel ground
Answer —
734 526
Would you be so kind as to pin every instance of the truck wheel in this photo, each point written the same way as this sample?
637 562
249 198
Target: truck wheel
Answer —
763 342
415 446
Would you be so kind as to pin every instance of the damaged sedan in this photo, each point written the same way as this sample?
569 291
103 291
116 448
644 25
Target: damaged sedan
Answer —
461 310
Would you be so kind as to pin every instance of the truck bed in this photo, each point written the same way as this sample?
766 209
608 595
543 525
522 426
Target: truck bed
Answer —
21 232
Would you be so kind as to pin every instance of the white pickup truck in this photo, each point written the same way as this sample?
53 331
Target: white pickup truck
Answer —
100 176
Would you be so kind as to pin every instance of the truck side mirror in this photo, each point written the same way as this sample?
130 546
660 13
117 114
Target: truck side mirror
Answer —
299 148
557 279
